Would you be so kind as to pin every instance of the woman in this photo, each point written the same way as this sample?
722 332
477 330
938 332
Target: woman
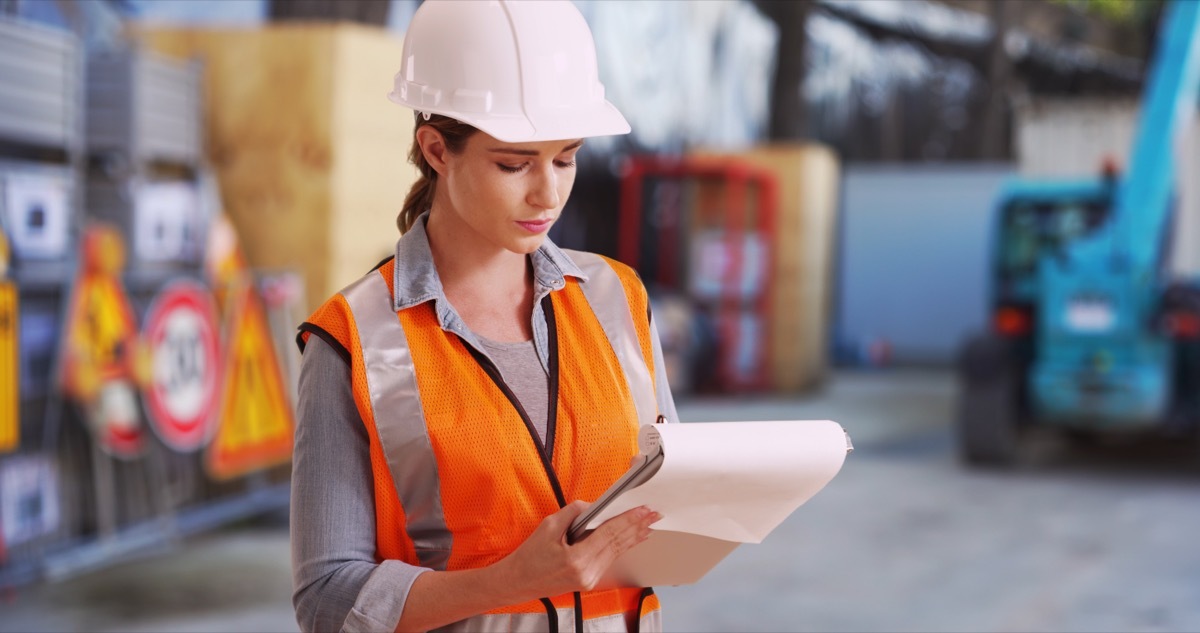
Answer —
461 403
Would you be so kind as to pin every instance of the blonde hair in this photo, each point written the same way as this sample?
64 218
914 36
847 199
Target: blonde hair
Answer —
455 134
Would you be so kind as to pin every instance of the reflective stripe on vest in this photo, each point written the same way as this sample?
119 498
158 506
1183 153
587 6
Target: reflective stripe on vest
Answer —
392 384
608 300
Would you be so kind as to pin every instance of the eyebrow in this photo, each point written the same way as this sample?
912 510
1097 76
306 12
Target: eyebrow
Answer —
532 152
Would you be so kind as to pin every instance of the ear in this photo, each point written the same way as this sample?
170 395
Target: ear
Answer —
433 147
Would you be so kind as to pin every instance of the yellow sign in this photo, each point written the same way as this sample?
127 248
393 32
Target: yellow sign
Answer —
255 425
10 419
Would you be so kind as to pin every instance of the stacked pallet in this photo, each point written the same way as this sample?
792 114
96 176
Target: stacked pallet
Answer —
309 153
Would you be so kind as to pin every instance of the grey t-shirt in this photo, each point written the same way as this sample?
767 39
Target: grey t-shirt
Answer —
523 373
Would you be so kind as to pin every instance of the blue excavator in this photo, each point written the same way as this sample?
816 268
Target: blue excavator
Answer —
1089 332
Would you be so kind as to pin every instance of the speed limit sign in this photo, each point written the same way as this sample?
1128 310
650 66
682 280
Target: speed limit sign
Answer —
181 333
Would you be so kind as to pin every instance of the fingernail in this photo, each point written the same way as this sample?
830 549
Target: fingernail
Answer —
656 516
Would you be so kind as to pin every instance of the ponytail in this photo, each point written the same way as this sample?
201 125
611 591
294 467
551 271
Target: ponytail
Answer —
420 196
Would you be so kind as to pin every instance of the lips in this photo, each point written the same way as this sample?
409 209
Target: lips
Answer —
537 226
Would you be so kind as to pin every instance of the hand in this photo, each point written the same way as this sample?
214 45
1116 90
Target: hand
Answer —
545 565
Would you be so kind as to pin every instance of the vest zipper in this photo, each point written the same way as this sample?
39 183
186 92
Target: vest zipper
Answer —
552 365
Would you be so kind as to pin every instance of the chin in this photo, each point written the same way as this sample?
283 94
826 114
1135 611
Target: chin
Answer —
527 245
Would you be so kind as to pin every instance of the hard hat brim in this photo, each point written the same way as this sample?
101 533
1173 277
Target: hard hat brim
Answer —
548 124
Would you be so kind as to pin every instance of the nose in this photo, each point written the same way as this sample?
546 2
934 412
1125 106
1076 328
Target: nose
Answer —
543 191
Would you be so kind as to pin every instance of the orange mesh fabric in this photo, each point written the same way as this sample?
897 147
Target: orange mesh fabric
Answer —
651 604
598 604
596 430
494 489
334 317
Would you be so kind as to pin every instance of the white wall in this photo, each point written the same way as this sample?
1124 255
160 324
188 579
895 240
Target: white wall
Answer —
913 254
1069 138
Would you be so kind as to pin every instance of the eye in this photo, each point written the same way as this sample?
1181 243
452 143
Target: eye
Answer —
512 169
565 164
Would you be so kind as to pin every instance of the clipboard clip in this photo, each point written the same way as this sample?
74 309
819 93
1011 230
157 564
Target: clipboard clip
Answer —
849 444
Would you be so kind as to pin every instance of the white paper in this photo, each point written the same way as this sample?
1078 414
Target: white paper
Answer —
734 481
667 558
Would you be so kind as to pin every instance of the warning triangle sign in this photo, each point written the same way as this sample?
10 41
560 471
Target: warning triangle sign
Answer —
101 360
255 426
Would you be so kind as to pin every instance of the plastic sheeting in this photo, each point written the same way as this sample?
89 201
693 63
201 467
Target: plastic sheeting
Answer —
929 19
888 100
685 73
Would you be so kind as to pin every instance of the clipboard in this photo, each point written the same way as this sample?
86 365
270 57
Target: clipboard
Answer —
641 470
718 485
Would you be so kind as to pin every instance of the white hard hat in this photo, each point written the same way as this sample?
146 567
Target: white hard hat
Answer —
520 70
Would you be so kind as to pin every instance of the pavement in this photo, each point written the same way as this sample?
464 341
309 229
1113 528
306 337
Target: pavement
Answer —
904 539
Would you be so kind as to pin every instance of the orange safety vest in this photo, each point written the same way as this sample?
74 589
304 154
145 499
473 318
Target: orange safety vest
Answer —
461 477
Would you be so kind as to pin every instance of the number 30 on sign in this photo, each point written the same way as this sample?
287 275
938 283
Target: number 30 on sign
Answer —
181 332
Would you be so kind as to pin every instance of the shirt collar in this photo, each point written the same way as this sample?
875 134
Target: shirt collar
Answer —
416 279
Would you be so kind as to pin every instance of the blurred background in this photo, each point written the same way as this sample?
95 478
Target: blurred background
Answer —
967 230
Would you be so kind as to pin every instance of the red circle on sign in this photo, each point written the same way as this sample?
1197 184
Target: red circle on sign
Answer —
182 334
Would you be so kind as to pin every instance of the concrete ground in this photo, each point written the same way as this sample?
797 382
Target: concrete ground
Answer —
904 539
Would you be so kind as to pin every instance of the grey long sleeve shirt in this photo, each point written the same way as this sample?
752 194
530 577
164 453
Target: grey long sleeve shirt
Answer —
338 582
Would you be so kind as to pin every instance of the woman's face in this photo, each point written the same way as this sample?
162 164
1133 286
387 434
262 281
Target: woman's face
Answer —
508 194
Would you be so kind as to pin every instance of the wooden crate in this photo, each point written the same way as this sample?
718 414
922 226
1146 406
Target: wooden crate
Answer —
309 153
802 297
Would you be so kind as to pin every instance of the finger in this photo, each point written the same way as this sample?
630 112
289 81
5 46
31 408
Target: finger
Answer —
617 544
618 522
559 522
638 515
653 518
572 510
643 523
623 531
